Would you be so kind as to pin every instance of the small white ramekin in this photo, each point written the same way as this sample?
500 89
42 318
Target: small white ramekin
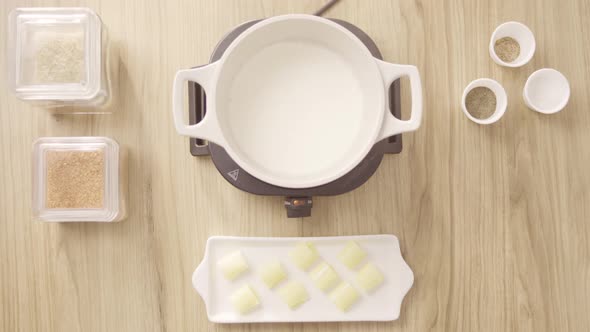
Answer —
519 32
546 91
501 100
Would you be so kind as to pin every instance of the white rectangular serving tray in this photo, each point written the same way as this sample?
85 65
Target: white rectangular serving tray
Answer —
383 304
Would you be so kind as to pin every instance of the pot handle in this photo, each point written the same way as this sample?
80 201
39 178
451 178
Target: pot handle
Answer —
392 125
207 128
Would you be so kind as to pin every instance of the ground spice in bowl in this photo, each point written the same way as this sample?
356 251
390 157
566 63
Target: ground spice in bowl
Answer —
507 49
480 102
75 179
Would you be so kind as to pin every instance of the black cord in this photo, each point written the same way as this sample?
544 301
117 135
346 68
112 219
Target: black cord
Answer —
325 7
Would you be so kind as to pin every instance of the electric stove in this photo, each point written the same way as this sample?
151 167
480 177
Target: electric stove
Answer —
298 202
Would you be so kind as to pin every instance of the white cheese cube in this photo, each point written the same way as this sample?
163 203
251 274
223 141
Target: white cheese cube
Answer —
294 294
304 255
344 296
233 265
352 255
272 274
369 277
244 299
324 276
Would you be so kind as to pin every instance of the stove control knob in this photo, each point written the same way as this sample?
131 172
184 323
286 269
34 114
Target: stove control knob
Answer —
298 207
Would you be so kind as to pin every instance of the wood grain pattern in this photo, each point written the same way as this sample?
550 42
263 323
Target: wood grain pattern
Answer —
494 221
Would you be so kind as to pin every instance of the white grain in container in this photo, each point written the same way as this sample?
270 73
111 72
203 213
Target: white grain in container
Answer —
57 57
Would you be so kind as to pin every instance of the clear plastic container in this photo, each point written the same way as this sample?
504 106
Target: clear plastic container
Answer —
79 179
57 56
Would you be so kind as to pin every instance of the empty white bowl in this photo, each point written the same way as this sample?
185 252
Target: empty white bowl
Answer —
501 100
546 91
522 34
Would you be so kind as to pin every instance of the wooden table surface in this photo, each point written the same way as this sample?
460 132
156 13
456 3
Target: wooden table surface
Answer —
494 220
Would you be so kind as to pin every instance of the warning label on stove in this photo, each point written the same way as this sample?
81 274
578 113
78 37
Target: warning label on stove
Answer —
234 174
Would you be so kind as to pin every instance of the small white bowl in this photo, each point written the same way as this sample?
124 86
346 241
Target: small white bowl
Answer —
522 34
501 100
546 91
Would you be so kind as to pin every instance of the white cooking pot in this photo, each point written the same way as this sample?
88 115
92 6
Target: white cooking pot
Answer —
297 101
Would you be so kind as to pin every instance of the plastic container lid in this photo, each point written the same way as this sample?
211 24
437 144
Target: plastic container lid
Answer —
76 179
55 53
